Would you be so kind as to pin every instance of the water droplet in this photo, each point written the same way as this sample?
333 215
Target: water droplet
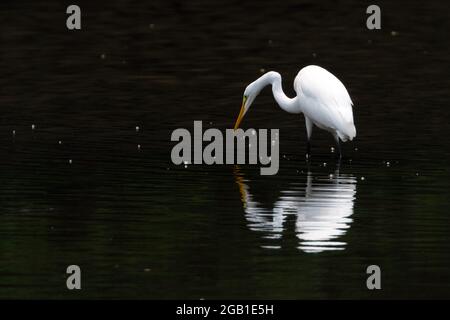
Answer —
33 127
14 132
59 142
331 176
394 33
253 132
137 128
332 149
262 70
70 161
388 164
356 149
139 147
103 56
362 178
314 55
147 270
324 164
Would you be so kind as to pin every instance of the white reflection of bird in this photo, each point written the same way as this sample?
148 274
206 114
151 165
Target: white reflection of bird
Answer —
321 97
322 210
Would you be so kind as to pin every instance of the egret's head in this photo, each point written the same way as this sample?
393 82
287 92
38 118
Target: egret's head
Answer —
250 94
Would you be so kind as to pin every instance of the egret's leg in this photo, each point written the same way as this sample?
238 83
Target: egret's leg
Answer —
338 144
308 149
309 127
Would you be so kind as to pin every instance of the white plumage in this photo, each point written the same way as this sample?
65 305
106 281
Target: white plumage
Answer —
325 101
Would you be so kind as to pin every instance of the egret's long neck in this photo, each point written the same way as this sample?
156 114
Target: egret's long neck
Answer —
287 104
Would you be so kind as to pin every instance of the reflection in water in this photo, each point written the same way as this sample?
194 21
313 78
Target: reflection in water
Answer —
322 208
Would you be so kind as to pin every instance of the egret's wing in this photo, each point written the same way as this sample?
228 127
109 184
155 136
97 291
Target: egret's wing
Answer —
328 100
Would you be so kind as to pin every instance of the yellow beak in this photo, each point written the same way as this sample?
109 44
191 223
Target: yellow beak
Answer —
241 114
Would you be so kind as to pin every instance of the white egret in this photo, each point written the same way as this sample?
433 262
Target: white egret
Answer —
321 97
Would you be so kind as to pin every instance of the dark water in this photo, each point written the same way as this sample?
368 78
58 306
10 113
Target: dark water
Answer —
141 227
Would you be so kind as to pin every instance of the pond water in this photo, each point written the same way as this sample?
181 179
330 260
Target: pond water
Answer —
86 187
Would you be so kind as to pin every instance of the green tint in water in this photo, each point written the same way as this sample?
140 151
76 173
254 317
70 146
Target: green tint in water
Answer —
140 227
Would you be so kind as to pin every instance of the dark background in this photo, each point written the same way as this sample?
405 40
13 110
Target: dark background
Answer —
140 227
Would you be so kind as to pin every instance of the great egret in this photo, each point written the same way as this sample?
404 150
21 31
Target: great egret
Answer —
321 97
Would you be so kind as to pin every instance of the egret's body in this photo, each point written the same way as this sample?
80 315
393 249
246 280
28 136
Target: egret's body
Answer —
321 97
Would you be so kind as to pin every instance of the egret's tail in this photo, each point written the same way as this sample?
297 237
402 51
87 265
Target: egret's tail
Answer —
348 134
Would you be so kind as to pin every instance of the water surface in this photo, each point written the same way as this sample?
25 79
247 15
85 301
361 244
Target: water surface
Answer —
78 190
